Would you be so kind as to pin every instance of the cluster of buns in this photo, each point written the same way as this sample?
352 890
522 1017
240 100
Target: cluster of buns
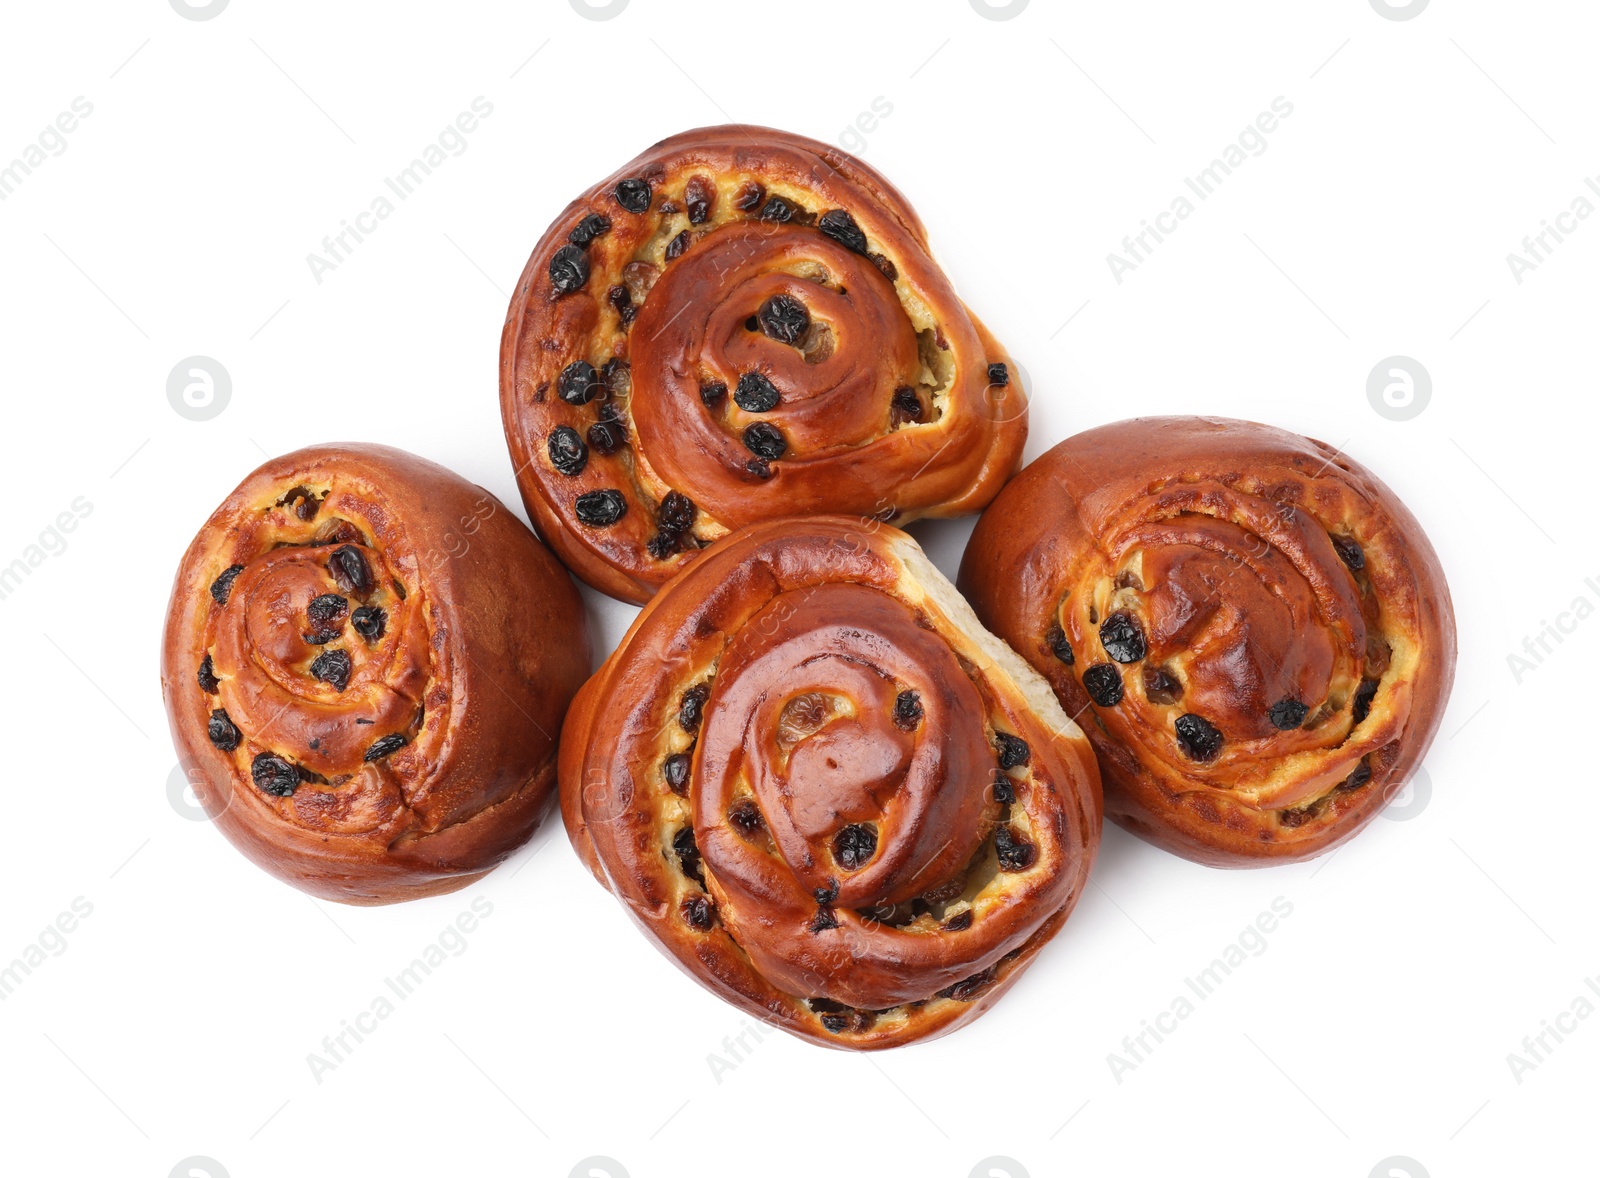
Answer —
838 795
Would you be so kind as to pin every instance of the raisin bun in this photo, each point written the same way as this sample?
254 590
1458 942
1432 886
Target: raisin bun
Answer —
815 781
366 664
1254 629
741 324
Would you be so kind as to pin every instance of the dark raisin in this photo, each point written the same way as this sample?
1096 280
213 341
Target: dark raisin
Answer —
1056 639
1014 852
827 895
569 270
885 265
370 621
350 570
326 615
824 920
698 196
1103 682
568 454
383 746
607 437
677 245
207 677
663 544
1287 713
1161 687
1197 737
222 731
778 210
1123 637
677 512
333 668
842 227
223 585
713 392
960 921
765 440
759 468
745 817
675 769
633 195
784 318
1359 776
999 375
1298 817
600 509
969 988
1005 790
836 1023
854 846
1362 704
905 404
588 229
579 383
697 911
749 197
755 394
683 845
692 706
1350 552
668 207
1013 750
273 775
907 710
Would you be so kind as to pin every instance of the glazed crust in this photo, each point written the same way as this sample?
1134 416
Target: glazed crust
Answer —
366 594
671 301
792 772
1277 595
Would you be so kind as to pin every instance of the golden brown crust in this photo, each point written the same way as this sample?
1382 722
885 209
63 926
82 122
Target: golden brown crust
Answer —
368 595
1276 594
670 300
801 774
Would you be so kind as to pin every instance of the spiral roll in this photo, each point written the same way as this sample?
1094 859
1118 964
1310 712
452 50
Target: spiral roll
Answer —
821 786
1258 628
742 324
360 673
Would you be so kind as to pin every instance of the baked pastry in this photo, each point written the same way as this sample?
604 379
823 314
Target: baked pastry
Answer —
737 325
1257 629
366 664
818 784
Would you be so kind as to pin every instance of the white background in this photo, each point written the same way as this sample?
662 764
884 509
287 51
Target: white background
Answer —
1377 1022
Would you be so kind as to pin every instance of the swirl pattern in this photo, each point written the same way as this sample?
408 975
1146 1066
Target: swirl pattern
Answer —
822 787
1259 628
370 717
738 325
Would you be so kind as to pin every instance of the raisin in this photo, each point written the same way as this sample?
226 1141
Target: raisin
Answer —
1161 687
1359 776
1005 790
1103 682
765 440
600 509
1123 637
633 195
369 622
969 988
905 405
568 454
756 394
663 544
836 1023
697 911
1350 552
675 770
749 197
783 318
383 746
713 392
999 375
842 227
779 210
668 207
1362 704
621 302
222 731
1014 852
579 383
607 437
1013 750
1197 737
885 265
207 677
692 706
223 585
907 710
333 668
326 614
745 817
824 920
1287 713
1299 817
1056 639
683 845
960 921
854 846
677 245
569 270
698 197
827 895
676 512
273 775
588 229
759 468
